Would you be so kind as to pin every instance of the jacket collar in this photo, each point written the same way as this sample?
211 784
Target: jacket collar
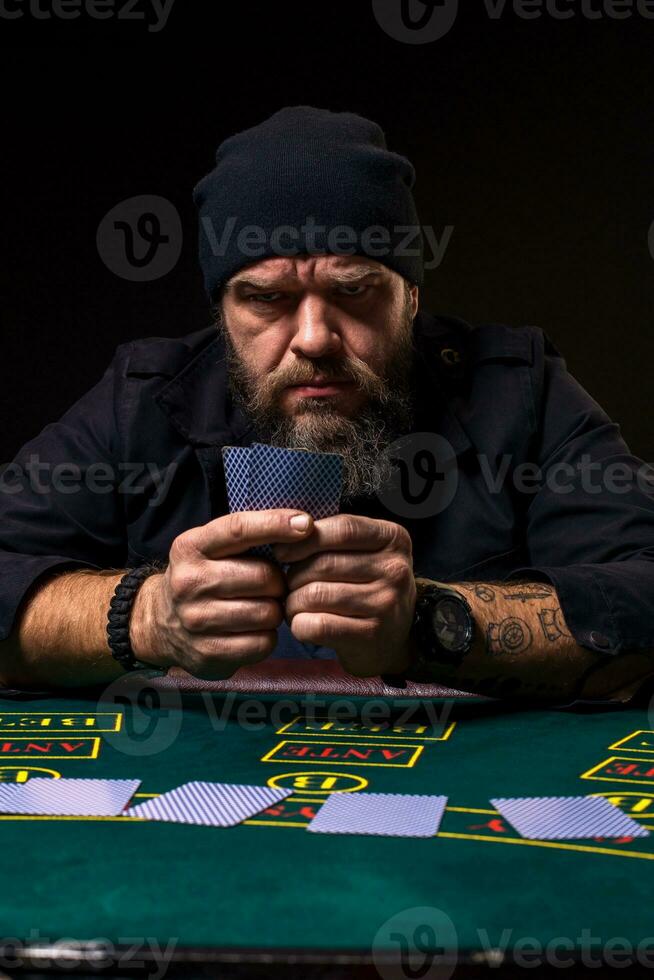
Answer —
198 403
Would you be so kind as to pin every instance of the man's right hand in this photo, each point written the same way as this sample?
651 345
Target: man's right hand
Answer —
215 609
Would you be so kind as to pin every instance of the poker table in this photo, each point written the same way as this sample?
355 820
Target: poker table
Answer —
268 898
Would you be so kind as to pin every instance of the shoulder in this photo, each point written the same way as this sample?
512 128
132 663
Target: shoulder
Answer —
495 377
476 344
162 381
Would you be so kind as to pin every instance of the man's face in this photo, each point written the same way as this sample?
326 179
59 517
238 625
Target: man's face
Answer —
320 351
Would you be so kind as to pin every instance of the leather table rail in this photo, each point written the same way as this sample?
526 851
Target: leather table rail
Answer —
301 677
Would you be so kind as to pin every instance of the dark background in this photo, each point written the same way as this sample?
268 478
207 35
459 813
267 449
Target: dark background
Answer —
533 138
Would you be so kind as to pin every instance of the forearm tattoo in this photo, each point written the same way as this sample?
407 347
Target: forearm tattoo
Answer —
520 627
524 648
511 635
553 624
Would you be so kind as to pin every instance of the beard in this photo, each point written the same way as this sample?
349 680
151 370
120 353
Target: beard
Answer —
363 442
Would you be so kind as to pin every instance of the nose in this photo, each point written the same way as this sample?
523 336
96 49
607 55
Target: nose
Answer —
316 330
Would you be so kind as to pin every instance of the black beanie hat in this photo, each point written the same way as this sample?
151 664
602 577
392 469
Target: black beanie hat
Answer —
307 181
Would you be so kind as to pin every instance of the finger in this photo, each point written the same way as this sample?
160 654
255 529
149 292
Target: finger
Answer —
215 658
226 578
345 532
245 646
231 616
341 598
330 630
236 533
230 578
334 566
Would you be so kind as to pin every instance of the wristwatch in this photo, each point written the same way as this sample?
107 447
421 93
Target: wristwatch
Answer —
443 628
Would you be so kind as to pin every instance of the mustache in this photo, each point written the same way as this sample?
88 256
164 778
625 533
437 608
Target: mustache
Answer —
302 371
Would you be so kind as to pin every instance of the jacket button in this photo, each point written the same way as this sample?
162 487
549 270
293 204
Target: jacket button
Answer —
600 641
450 356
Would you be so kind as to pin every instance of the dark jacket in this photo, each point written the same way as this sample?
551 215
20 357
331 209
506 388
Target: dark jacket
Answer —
501 397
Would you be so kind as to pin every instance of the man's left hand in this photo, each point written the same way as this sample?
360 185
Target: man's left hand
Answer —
351 588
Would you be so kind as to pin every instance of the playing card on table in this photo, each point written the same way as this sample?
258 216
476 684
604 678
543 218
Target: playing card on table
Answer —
385 814
295 478
209 804
68 797
567 817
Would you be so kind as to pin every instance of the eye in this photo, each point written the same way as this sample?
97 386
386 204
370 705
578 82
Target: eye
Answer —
353 290
263 297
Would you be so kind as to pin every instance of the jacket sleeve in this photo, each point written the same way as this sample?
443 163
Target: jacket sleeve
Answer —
59 499
590 522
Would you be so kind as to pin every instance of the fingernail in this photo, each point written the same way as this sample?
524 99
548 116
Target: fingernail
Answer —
300 522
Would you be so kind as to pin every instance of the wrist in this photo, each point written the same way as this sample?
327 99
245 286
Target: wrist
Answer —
409 667
407 658
443 630
145 620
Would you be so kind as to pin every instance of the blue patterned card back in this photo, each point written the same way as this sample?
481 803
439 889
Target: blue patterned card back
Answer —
209 804
236 462
295 478
567 817
41 796
382 814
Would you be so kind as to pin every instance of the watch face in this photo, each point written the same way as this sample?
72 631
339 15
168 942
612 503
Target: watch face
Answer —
452 624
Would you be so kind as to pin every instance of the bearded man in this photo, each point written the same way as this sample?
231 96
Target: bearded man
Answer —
532 576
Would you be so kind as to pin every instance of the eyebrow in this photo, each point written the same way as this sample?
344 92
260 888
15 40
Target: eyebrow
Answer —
345 276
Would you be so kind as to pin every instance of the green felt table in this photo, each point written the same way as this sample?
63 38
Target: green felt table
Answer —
476 891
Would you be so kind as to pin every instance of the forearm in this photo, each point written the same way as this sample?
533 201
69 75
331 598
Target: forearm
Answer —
524 649
60 636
